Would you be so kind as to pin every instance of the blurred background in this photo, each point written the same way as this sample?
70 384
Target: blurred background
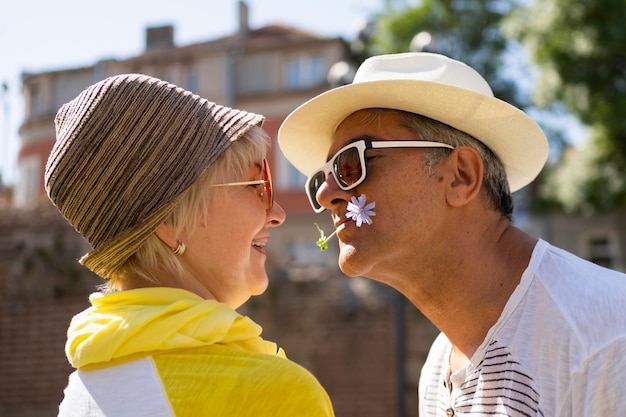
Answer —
561 61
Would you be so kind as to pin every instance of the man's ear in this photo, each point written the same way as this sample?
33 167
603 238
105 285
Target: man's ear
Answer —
166 233
467 166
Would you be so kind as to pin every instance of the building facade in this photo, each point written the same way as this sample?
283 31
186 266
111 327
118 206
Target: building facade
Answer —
269 70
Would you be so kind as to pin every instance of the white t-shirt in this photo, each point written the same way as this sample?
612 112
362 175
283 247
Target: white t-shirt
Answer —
558 349
130 389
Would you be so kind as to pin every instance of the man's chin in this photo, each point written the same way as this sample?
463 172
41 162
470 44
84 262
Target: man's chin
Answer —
350 262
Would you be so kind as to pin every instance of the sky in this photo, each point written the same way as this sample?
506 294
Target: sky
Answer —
43 35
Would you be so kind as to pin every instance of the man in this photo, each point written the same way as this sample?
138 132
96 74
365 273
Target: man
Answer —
423 158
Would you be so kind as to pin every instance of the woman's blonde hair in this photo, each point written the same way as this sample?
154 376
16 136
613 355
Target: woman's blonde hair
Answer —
155 263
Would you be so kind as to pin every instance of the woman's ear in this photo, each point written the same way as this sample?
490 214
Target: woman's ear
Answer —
467 166
166 233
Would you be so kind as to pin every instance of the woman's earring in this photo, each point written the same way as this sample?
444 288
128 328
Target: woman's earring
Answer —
180 249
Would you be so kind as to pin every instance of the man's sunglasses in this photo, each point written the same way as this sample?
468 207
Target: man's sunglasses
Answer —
266 182
349 165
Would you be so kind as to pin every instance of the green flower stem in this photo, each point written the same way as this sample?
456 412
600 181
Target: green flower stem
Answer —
322 242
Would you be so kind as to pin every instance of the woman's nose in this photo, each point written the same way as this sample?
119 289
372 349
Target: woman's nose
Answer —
276 216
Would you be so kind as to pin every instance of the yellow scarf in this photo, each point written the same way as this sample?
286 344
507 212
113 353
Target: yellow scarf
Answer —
124 325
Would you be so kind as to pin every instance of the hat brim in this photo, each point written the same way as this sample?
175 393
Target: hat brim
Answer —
306 135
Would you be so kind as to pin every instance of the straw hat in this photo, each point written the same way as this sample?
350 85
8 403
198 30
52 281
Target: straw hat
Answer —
429 84
126 148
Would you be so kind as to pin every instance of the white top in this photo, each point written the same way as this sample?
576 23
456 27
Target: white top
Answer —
558 349
128 390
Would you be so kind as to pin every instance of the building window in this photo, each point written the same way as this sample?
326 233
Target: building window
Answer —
254 74
27 187
602 249
37 107
288 176
191 82
304 72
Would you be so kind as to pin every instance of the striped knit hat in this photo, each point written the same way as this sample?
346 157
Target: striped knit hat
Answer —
126 148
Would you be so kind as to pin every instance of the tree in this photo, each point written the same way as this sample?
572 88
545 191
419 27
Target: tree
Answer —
579 48
469 31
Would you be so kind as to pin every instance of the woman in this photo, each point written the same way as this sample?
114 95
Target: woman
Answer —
174 194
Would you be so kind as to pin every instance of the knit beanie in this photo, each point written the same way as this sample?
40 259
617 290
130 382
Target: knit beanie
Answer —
126 148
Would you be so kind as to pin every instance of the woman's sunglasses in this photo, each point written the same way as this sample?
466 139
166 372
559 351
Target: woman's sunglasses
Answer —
349 165
266 182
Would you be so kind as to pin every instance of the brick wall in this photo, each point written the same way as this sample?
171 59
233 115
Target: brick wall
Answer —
41 287
347 345
34 368
343 329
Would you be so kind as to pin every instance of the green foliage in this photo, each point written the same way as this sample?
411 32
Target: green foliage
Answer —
469 31
579 47
587 181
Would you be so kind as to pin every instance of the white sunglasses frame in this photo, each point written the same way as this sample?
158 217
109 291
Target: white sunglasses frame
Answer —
361 145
